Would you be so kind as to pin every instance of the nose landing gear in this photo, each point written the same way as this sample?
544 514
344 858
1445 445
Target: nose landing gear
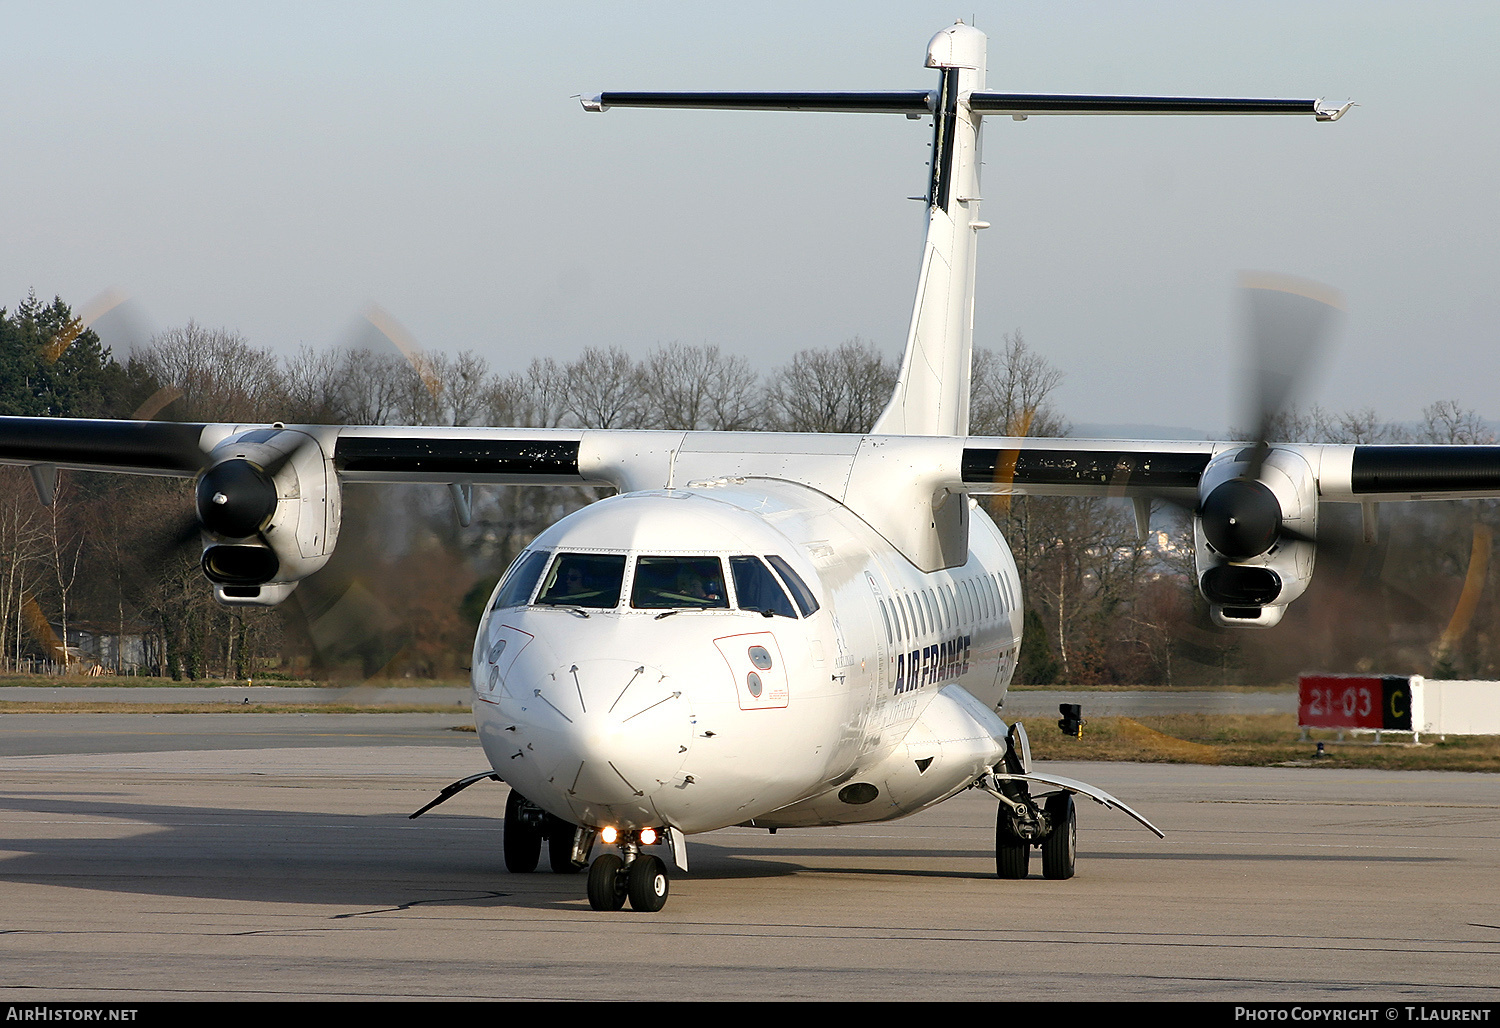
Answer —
631 875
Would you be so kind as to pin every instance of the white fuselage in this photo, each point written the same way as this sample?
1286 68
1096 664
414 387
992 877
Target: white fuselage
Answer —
879 703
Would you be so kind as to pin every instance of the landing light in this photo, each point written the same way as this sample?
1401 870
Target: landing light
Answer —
608 836
648 836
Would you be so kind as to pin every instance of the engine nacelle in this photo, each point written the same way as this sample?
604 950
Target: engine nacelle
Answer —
269 504
1253 536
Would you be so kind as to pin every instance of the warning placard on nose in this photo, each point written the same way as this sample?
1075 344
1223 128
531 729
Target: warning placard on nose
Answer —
759 672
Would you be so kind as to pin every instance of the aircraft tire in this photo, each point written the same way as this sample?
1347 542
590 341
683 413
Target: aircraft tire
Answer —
606 891
647 884
523 843
1012 855
1060 847
560 845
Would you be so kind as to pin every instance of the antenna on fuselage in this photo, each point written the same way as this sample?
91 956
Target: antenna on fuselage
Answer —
932 391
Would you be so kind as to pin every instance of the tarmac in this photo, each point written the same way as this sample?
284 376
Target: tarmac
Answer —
270 857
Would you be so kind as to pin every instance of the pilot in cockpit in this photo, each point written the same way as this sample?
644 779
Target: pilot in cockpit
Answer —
574 583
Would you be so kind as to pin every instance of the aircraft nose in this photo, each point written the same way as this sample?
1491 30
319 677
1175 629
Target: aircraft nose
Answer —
620 734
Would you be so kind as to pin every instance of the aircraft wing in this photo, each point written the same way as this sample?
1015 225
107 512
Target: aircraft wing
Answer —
915 103
645 459
1343 473
912 102
513 456
134 447
1023 105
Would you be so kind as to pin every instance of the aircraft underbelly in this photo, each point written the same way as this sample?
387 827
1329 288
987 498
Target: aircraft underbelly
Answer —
949 744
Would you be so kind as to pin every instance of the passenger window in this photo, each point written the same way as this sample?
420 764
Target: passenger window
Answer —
757 589
584 580
886 617
515 588
676 582
806 602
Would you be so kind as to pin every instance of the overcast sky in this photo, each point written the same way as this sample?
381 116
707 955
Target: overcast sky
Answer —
275 168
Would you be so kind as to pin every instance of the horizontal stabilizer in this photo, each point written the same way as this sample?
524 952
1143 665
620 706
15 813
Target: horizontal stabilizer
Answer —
1085 103
911 101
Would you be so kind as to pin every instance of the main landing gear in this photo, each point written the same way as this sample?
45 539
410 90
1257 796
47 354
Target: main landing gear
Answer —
1022 823
630 874
1047 822
1053 828
528 825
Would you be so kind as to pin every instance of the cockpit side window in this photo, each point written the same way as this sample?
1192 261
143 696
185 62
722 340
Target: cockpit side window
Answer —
520 580
806 601
757 589
678 582
584 580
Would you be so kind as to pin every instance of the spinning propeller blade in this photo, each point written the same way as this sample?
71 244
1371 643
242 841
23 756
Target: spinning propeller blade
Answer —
1287 325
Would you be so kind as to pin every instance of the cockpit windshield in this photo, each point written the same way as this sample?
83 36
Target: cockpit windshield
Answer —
806 601
677 582
757 589
584 580
521 579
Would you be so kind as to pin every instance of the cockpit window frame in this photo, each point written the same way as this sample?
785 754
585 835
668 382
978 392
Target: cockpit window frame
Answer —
802 596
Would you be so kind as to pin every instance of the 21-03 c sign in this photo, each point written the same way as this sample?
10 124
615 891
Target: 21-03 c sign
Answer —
1354 701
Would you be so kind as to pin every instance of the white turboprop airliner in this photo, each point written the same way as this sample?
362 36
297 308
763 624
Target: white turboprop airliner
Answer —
765 629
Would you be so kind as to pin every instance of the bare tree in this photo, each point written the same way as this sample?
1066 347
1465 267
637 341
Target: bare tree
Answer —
604 389
843 389
1316 425
22 546
1011 390
1447 422
370 386
222 377
464 380
691 388
418 390
311 387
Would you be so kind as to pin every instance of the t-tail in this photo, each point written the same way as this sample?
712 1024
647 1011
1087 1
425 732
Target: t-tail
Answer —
932 390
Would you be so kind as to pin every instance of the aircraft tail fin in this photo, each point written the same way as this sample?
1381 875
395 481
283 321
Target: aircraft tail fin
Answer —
932 390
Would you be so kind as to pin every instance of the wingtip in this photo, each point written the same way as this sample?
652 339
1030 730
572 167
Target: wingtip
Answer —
1335 114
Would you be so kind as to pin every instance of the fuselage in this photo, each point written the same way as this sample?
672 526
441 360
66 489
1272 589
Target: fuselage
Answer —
747 651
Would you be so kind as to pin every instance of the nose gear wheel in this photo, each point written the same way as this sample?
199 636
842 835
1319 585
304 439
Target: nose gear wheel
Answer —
647 884
607 883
